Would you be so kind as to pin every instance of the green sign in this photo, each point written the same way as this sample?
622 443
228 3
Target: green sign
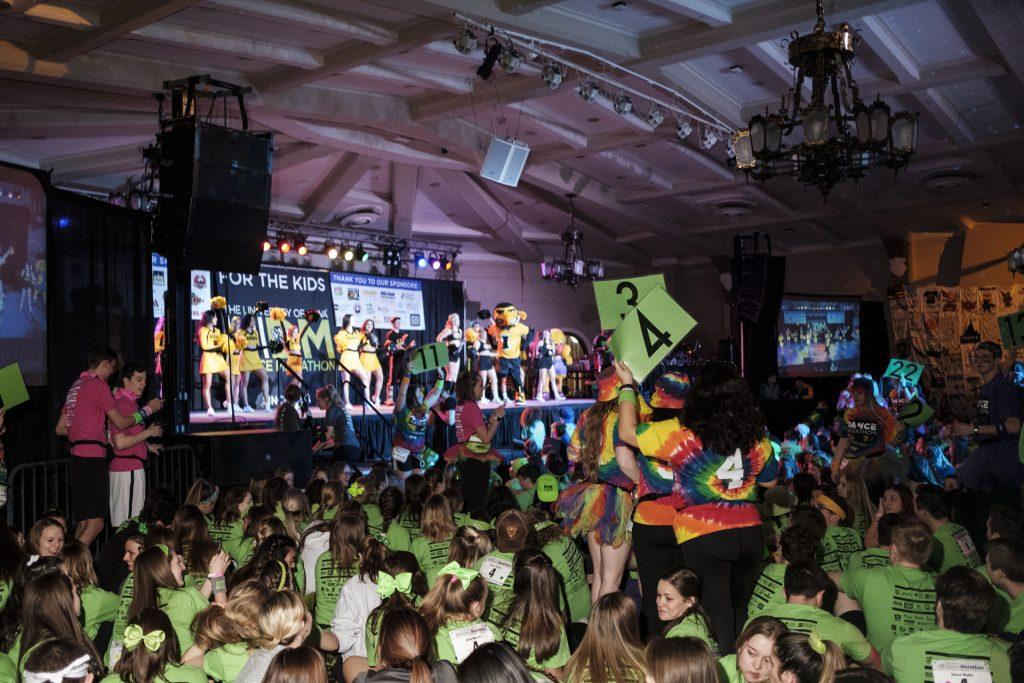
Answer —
616 298
916 413
907 369
427 358
1011 329
12 386
650 332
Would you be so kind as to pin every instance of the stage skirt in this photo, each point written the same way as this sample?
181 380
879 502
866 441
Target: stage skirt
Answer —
250 361
350 359
212 363
369 361
597 507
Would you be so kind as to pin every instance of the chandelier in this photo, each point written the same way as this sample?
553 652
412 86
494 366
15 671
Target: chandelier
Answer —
840 137
573 266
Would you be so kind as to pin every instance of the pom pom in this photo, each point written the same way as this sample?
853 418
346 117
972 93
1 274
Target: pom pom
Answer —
218 303
557 335
278 313
472 336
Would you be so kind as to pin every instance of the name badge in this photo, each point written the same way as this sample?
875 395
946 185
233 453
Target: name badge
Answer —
399 454
961 671
495 570
468 638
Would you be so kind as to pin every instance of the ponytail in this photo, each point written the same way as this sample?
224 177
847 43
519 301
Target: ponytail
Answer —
809 658
419 671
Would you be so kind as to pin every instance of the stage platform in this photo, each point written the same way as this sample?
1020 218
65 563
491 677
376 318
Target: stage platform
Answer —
377 430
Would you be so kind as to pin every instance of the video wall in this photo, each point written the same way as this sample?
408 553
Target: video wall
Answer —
23 274
818 336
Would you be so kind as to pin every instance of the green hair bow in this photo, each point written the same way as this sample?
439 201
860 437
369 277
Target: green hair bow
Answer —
816 643
356 489
387 584
133 635
456 572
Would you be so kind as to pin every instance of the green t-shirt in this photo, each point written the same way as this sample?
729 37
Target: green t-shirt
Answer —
524 499
371 632
124 603
510 633
174 673
861 522
568 562
909 658
838 544
455 638
868 558
224 663
496 569
243 551
8 671
694 626
5 592
462 519
953 546
329 580
98 606
181 606
374 518
729 670
769 590
411 525
229 535
431 556
397 538
897 601
807 618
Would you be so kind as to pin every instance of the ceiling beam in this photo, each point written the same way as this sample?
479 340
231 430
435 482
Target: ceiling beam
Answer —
890 49
504 90
637 167
705 11
339 182
64 15
706 93
518 7
946 115
297 154
403 74
53 123
121 159
217 42
121 19
404 181
1003 21
572 137
311 18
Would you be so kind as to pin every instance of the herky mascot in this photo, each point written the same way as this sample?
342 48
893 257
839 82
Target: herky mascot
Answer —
512 336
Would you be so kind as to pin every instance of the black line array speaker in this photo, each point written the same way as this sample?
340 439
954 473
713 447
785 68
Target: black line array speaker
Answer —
214 196
758 281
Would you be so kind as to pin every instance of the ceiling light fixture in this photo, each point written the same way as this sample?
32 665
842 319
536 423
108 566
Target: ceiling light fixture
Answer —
654 116
552 74
421 260
435 262
348 254
300 245
465 41
267 244
361 254
573 267
623 104
331 250
683 129
510 59
284 244
486 68
589 91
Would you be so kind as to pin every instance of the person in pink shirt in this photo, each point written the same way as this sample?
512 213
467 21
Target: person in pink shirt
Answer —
83 420
131 447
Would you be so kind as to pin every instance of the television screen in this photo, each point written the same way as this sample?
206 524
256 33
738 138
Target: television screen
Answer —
818 336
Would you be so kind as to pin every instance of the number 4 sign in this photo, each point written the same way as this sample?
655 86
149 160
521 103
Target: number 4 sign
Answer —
650 332
427 358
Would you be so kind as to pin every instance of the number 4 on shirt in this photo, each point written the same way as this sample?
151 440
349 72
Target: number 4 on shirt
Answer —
730 472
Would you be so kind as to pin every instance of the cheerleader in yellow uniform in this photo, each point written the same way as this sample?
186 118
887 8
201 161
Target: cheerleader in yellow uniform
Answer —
211 342
368 358
294 345
251 363
235 343
346 343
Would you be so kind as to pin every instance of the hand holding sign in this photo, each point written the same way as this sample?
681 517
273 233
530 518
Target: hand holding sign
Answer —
12 386
905 369
1011 329
650 332
616 298
427 358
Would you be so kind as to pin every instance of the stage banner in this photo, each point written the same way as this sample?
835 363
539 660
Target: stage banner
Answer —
159 285
378 298
295 290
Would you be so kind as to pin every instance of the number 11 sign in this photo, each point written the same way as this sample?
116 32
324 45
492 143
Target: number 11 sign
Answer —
650 332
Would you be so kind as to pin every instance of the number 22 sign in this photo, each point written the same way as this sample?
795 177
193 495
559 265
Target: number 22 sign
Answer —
907 369
650 332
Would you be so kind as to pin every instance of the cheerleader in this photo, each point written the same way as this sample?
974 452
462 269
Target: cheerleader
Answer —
251 363
368 358
236 342
211 342
545 355
562 362
293 342
159 345
452 336
347 342
484 350
600 506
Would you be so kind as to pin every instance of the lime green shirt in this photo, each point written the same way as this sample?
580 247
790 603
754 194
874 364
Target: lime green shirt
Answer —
98 606
462 519
768 590
174 673
374 518
729 670
568 562
124 603
445 645
525 498
499 594
410 525
510 634
329 580
909 658
897 601
694 626
397 538
8 671
868 558
5 592
953 546
181 606
225 662
229 535
243 551
431 556
805 618
838 544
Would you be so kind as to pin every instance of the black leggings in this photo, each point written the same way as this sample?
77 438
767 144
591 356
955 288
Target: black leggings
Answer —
656 552
727 563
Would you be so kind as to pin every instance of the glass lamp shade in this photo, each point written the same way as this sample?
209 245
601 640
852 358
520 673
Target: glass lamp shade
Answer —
595 270
773 134
862 123
578 267
756 135
879 121
816 126
741 146
904 133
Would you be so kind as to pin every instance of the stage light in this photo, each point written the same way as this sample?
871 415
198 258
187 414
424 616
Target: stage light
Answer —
589 91
391 256
331 250
267 244
623 104
447 263
487 67
421 260
361 254
465 41
300 245
284 244
654 116
348 254
435 262
552 74
510 59
683 129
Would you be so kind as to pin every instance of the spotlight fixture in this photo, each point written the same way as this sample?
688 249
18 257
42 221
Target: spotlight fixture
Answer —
465 41
284 244
421 260
623 104
510 59
348 254
710 138
331 250
435 262
300 245
683 129
654 116
1015 260
361 254
589 91
487 67
267 244
392 256
552 74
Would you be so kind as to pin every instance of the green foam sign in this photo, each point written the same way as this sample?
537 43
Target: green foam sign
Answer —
916 413
12 386
650 332
616 298
427 358
1011 329
907 369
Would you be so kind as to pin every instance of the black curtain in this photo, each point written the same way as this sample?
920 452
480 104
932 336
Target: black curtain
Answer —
441 298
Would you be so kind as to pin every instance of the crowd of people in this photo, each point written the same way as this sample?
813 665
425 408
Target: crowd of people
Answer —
666 539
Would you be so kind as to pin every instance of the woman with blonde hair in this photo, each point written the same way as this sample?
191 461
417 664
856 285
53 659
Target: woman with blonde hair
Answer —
452 336
854 491
296 512
437 527
469 546
98 606
203 494
610 651
680 660
368 347
284 623
225 634
212 343
347 342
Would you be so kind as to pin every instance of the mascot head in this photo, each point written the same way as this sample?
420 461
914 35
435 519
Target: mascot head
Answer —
506 315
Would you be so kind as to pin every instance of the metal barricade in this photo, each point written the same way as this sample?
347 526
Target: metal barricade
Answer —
175 469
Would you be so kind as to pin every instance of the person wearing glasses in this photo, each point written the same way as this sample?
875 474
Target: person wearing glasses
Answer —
994 465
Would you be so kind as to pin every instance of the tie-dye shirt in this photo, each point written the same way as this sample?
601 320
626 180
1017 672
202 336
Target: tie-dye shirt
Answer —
710 492
608 471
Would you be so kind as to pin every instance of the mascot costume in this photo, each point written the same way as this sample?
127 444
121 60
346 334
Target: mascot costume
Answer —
511 335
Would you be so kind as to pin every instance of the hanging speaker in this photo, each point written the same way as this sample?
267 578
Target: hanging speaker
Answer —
505 161
757 284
